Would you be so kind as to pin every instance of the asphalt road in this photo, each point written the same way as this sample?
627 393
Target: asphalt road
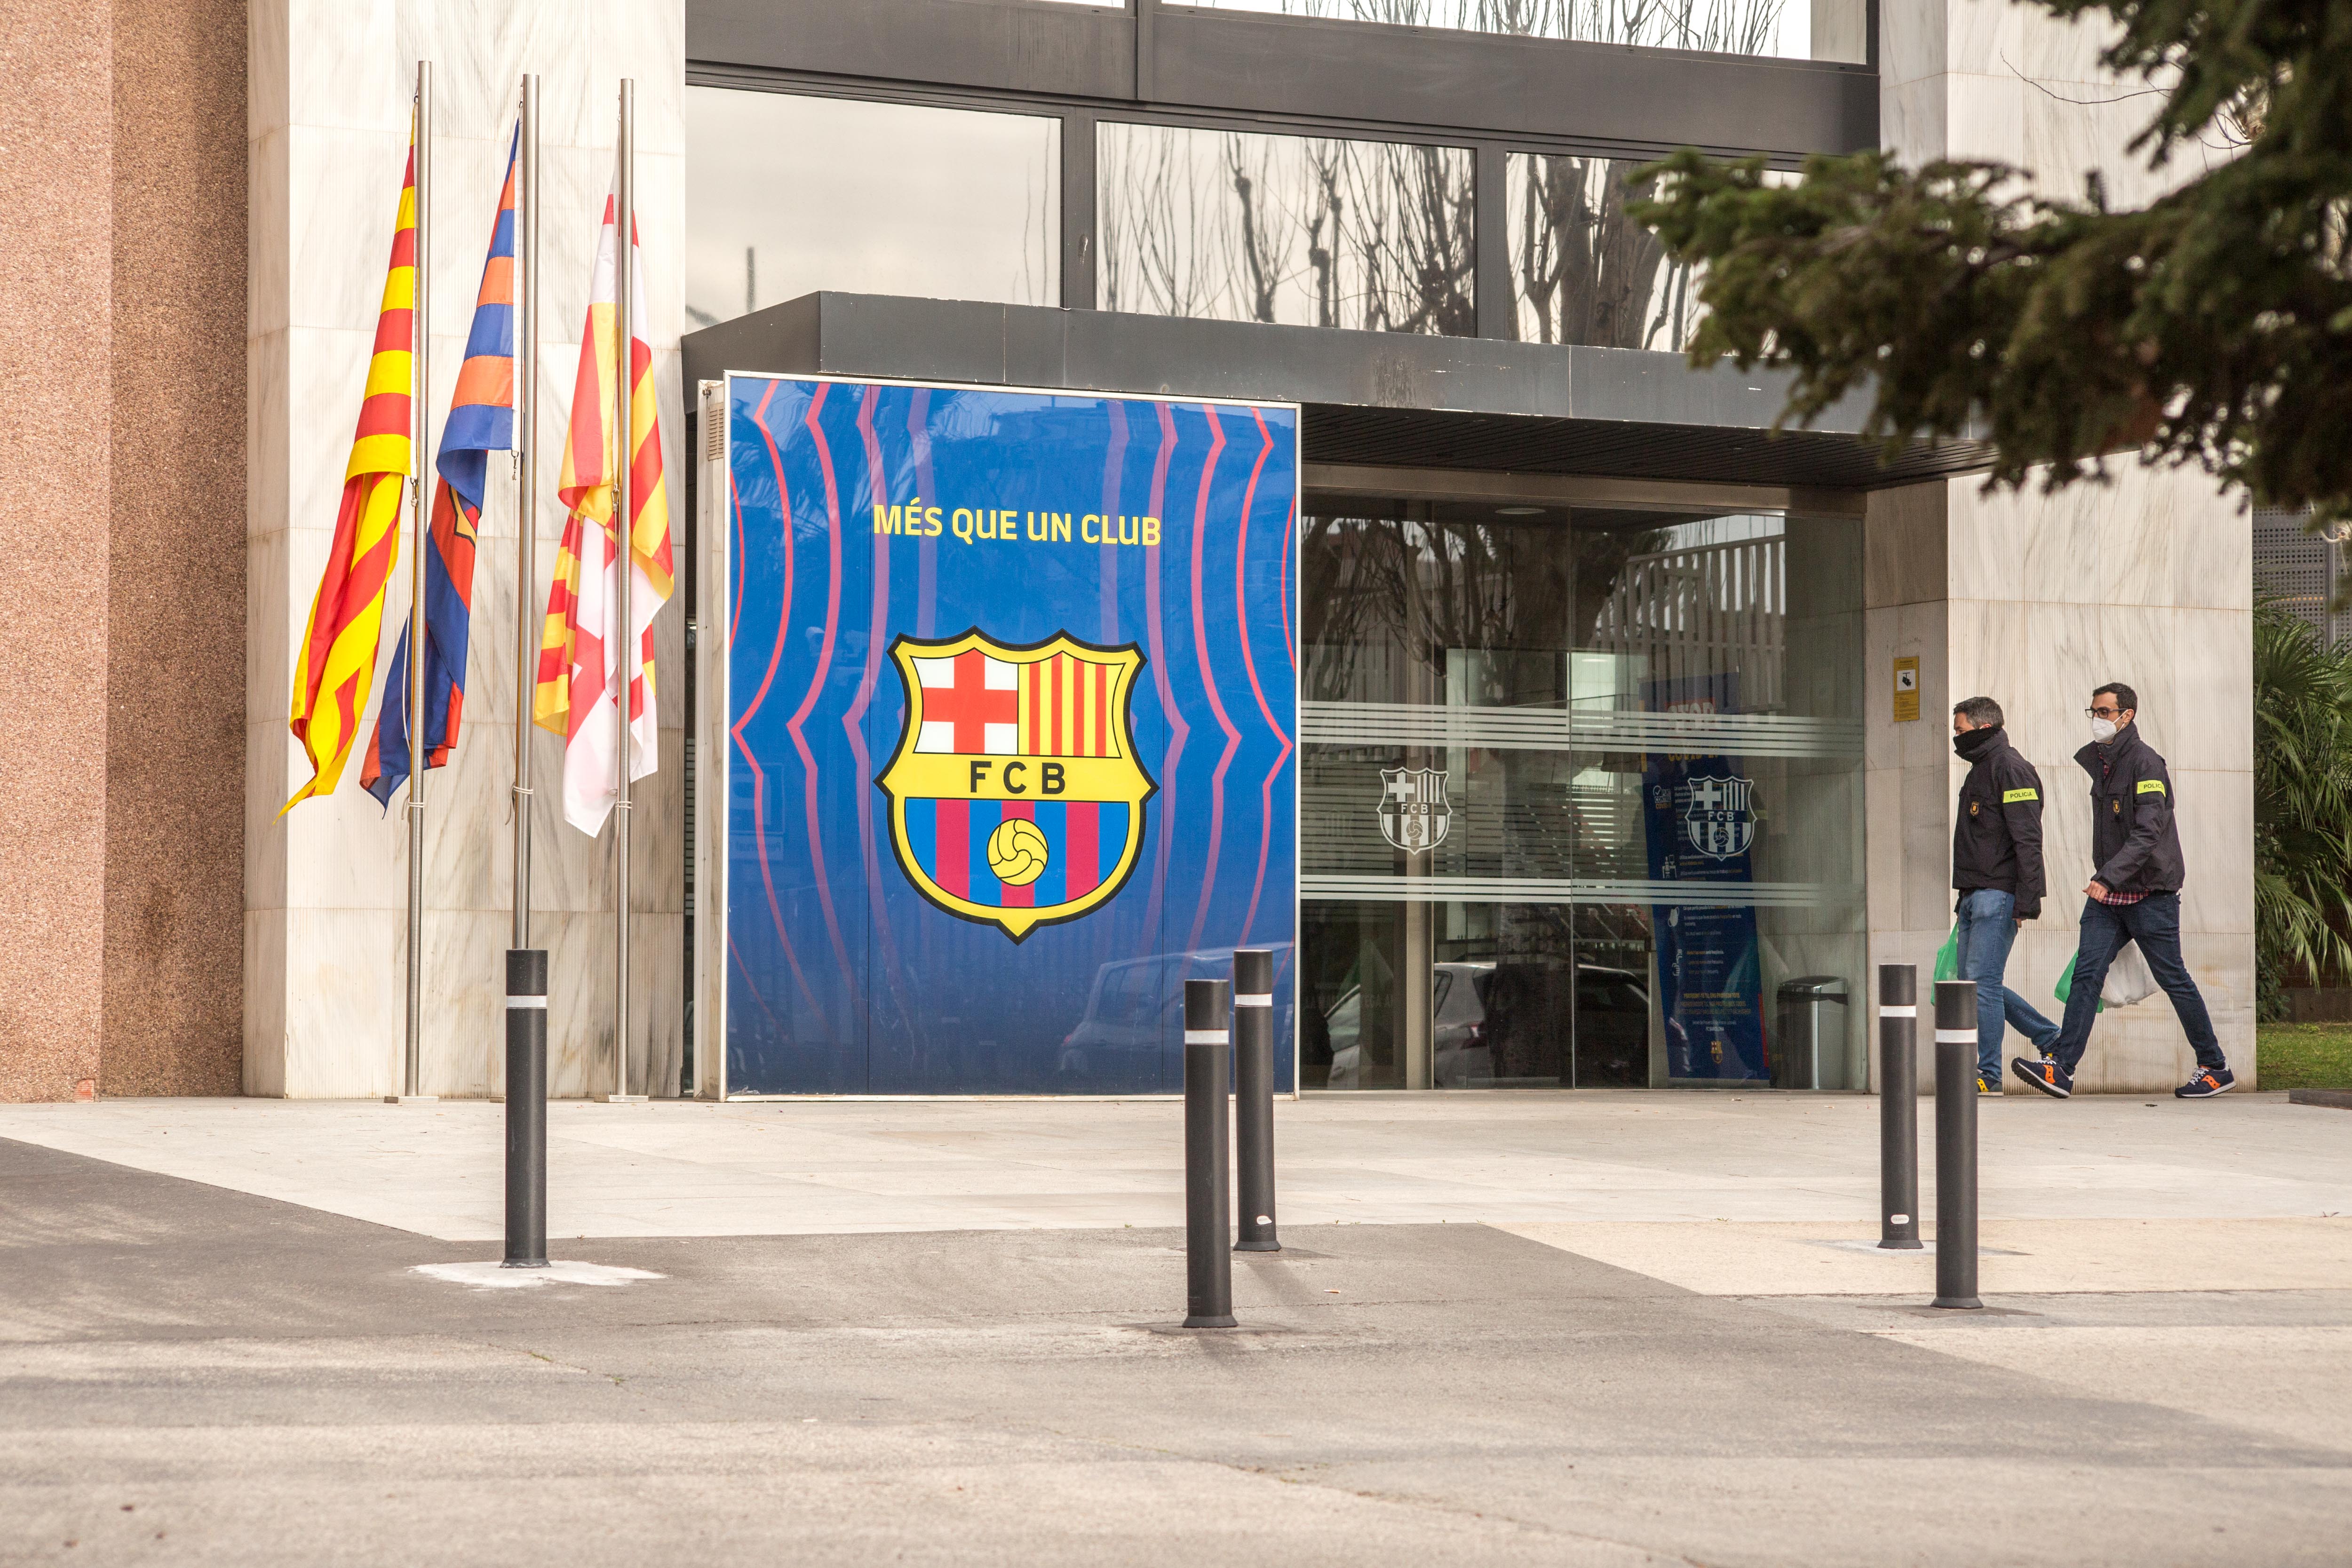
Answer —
195 1375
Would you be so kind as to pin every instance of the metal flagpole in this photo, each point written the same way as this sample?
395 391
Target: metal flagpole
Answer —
624 332
526 509
420 526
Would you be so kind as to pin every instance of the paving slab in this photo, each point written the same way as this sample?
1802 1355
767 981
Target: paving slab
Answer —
845 1167
2016 1256
190 1374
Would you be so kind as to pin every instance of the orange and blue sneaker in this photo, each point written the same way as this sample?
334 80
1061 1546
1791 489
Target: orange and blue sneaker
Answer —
2047 1076
2209 1082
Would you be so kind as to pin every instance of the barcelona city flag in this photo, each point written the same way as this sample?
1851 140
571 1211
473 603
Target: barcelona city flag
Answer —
335 666
579 658
481 421
1017 794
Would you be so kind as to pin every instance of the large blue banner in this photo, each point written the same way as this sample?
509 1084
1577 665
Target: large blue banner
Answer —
1011 723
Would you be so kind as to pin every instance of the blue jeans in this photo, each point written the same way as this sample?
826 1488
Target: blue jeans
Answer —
1988 927
2153 922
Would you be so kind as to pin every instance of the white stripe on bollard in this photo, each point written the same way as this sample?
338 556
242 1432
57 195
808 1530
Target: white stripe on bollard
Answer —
1254 999
1956 1036
539 1002
1906 1010
1219 1036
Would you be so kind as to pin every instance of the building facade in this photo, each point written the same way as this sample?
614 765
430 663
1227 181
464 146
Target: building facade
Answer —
1678 686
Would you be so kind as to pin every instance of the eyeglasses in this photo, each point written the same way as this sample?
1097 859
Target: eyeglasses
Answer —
2104 712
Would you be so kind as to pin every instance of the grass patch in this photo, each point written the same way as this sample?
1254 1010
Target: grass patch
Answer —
2303 1055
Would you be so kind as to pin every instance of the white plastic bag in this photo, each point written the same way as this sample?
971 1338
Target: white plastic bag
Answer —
2128 979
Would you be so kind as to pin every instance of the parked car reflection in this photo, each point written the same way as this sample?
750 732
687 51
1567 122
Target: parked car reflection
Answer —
1131 1038
1497 1024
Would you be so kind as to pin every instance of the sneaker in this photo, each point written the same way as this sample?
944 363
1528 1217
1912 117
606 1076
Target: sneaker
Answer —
1986 1084
2047 1076
2209 1082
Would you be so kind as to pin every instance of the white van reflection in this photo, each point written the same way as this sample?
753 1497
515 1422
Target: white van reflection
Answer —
1135 1013
1612 1020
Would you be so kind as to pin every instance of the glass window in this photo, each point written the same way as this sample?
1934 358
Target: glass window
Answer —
787 195
1583 272
1308 231
1580 794
1784 29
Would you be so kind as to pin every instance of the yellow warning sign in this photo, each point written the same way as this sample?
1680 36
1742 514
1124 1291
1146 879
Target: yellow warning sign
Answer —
1906 690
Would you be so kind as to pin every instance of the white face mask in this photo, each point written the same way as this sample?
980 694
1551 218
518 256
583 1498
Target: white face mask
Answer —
2103 730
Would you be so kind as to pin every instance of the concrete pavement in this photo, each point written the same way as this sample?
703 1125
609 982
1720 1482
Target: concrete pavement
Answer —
191 1373
677 1168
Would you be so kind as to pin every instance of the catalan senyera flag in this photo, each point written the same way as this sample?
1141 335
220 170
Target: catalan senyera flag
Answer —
579 658
481 421
335 666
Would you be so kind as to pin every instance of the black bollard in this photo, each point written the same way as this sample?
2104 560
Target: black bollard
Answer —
1254 1097
526 1108
1956 1143
1898 1106
1208 1190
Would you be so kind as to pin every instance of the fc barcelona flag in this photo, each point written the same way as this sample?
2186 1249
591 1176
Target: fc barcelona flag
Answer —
481 421
336 664
1016 797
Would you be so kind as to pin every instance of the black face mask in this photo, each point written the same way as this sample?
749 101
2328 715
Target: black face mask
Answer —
1975 743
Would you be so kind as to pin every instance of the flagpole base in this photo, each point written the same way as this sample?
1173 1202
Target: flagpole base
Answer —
621 1100
412 1100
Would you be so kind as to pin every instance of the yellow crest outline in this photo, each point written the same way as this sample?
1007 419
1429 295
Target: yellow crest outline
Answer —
1118 779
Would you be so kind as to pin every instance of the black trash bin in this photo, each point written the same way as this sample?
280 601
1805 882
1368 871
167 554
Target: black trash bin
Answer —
1811 1053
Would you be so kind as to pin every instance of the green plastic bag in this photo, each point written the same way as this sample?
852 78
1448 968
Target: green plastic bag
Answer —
2064 989
1947 960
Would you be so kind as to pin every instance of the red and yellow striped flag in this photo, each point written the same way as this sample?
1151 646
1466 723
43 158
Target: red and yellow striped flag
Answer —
336 666
579 666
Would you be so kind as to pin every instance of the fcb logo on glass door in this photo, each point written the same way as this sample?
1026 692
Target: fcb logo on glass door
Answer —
1016 797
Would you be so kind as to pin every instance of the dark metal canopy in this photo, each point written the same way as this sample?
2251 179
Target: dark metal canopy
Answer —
1380 399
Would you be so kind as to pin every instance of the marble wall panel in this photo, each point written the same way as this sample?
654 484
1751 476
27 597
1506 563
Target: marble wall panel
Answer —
346 998
463 1052
2048 686
1914 44
1913 116
646 40
1985 118
269 241
2212 548
1984 38
1903 545
1905 631
2222 964
2215 818
341 233
2213 672
335 80
2135 646
2048 48
1927 849
1883 847
265 1002
348 66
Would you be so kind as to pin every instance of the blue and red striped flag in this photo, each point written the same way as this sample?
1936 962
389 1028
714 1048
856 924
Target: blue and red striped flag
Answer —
481 421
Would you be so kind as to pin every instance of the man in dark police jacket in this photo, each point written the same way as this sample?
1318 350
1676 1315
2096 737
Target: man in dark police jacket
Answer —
1997 870
2135 896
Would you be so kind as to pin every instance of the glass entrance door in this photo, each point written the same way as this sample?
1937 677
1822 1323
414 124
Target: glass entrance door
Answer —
1579 793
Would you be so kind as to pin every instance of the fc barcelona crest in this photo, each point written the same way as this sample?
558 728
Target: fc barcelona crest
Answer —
1016 797
1721 821
1414 812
